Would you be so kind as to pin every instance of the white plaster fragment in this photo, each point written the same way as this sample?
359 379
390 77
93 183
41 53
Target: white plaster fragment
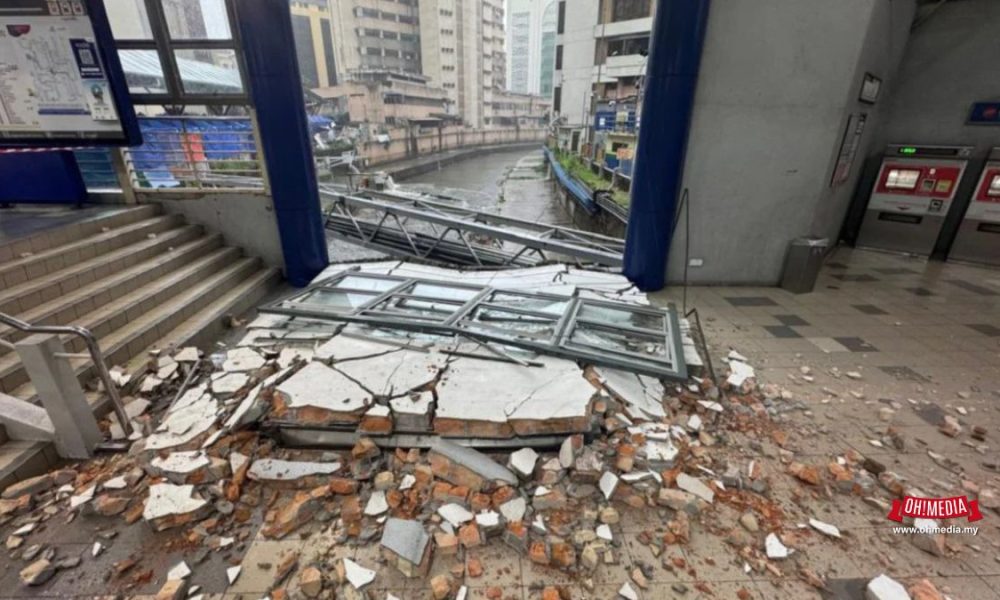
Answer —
514 509
182 463
357 575
523 462
775 549
695 486
608 484
320 386
626 591
604 532
377 504
166 499
178 571
884 587
456 514
273 469
233 573
83 497
825 528
242 359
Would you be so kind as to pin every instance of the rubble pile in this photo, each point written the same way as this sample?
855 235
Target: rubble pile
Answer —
581 450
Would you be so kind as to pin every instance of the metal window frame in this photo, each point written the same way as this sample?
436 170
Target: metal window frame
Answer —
165 46
461 321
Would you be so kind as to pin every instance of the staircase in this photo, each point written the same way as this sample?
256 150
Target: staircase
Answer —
139 279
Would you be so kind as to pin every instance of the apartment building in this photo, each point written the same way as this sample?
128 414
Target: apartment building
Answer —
373 35
380 98
600 57
312 27
462 45
531 33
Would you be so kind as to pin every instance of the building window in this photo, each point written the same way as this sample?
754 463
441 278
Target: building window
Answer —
446 13
559 52
561 21
373 51
331 63
390 35
557 99
302 32
392 53
408 37
368 12
626 10
407 19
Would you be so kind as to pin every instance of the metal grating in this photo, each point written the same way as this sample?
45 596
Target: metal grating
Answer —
641 339
445 233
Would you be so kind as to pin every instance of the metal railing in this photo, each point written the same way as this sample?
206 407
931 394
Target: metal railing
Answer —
185 153
94 353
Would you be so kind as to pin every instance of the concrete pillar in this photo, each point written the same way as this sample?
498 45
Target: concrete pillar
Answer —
76 432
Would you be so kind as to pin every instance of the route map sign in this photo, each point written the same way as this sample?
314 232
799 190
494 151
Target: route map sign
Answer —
60 79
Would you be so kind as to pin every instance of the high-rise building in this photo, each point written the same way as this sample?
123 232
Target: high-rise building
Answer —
600 57
314 47
531 30
377 35
462 44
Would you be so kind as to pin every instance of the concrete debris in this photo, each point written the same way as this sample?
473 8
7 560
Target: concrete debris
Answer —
455 514
37 572
406 544
358 576
626 591
884 587
465 466
825 528
311 582
276 470
775 549
233 573
172 505
695 486
179 571
523 462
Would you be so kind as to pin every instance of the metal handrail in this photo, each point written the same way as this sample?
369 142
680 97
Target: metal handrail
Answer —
95 355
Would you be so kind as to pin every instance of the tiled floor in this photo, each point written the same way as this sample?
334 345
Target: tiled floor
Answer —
925 338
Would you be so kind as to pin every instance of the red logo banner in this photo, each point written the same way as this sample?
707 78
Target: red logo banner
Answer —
935 508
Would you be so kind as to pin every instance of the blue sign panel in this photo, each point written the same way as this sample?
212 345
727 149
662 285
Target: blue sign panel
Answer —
985 113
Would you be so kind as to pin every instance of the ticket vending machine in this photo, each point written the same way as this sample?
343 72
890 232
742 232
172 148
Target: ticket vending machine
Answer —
913 193
978 238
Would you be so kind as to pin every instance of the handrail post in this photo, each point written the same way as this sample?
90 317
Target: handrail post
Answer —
95 355
75 428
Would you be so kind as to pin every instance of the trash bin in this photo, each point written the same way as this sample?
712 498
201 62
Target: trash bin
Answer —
805 257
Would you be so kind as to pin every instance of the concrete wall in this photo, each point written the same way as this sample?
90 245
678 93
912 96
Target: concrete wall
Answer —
244 219
452 138
953 60
576 74
778 81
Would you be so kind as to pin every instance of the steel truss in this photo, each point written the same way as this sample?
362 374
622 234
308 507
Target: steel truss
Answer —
641 339
444 233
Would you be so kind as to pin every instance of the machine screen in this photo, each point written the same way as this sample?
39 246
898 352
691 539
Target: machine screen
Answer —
902 179
994 190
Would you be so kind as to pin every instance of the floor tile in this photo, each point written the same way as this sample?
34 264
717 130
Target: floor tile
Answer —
751 301
782 331
855 344
870 309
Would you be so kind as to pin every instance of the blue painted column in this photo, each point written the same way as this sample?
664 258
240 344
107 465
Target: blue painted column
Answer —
265 28
667 106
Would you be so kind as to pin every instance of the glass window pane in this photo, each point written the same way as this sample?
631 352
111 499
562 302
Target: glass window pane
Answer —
128 19
143 71
443 292
615 340
197 19
367 283
334 299
209 71
616 316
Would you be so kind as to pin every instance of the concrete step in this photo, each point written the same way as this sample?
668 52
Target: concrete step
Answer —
115 312
57 236
55 259
21 460
154 328
28 295
69 308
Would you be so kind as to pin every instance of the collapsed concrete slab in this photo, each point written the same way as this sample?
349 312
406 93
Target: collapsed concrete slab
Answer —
289 472
320 395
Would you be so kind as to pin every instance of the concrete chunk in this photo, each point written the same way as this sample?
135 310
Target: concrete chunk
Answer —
276 470
407 539
884 587
465 466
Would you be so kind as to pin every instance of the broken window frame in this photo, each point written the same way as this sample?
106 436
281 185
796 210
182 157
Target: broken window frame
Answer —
383 309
